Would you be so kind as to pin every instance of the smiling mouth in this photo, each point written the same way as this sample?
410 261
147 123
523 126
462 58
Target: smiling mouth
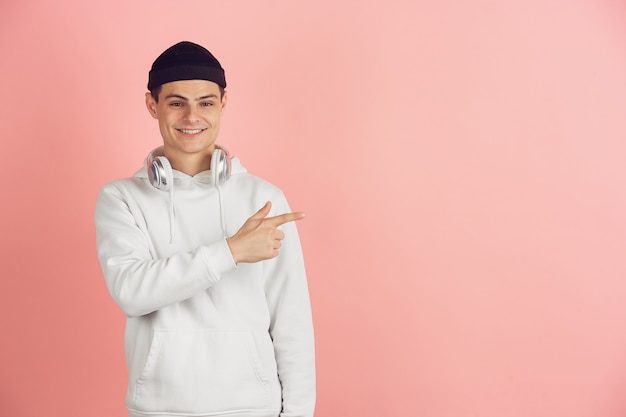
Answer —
190 131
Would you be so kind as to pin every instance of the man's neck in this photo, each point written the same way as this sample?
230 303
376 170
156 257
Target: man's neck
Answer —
190 164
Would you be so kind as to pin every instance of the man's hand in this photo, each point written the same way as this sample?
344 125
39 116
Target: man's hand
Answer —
259 238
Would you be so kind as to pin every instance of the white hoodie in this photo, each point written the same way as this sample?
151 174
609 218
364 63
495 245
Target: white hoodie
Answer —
206 337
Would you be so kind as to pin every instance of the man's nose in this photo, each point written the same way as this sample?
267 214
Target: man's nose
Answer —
192 114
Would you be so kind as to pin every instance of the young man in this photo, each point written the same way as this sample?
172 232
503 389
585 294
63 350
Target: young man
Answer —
205 261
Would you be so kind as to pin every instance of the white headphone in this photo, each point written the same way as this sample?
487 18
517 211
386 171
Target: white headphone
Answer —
160 171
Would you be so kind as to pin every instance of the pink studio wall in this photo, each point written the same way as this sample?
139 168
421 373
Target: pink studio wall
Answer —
460 162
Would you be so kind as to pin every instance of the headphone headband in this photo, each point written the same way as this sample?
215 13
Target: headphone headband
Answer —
161 176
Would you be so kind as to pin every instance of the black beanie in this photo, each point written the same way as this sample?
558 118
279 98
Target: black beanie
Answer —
186 61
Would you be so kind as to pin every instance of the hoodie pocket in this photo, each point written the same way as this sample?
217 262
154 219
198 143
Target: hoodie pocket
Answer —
204 371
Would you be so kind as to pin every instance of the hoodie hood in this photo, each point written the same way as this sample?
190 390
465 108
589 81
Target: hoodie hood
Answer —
179 178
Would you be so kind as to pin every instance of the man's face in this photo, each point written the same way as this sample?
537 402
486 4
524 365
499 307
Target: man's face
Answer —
189 114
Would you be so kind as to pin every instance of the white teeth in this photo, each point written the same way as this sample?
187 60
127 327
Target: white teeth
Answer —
190 131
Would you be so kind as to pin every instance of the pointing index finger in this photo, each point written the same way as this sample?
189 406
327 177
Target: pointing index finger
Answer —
284 218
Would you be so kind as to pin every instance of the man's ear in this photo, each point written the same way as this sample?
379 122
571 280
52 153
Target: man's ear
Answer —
151 105
223 102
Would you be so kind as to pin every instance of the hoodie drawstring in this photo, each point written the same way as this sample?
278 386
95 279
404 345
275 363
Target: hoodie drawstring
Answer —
172 214
222 221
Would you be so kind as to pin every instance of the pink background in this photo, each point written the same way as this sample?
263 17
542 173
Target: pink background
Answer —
461 164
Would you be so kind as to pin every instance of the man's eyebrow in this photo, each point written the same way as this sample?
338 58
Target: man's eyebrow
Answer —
207 97
178 96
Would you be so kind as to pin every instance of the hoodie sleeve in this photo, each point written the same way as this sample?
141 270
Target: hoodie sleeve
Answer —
139 283
291 324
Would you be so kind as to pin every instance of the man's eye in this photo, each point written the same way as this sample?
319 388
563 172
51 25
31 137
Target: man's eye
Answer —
176 104
206 104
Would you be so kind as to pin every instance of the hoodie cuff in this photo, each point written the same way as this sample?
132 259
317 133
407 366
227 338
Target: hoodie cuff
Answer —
218 259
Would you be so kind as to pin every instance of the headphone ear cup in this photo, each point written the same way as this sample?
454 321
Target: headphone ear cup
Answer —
160 173
220 166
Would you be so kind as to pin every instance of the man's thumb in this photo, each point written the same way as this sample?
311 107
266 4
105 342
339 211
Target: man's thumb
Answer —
263 212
